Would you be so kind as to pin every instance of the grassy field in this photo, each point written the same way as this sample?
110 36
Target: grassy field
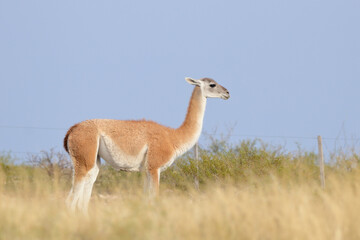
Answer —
248 191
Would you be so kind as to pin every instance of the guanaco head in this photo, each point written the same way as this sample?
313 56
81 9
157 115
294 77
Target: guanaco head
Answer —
210 88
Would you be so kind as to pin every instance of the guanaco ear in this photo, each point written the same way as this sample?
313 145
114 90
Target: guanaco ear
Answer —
193 81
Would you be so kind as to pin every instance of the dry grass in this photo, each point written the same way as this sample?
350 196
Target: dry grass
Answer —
271 209
248 191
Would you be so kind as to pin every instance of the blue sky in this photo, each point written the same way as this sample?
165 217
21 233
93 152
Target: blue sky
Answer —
292 67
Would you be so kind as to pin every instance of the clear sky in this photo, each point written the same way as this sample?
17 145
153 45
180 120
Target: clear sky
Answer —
292 67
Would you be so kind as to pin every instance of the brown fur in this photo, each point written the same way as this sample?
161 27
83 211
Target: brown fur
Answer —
130 136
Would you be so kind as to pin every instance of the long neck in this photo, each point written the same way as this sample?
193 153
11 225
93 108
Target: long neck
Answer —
189 132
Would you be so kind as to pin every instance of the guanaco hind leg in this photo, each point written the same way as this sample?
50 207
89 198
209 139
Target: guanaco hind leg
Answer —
80 192
86 164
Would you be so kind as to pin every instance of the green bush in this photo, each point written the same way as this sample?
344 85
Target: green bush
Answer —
244 163
241 163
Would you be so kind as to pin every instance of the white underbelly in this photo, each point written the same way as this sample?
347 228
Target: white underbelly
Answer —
117 158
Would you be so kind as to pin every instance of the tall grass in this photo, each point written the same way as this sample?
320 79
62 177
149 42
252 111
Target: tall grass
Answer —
247 191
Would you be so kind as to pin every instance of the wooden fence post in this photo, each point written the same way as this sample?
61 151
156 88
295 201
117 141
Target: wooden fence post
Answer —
196 152
321 163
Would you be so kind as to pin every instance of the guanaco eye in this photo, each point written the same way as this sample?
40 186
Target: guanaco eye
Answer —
212 85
